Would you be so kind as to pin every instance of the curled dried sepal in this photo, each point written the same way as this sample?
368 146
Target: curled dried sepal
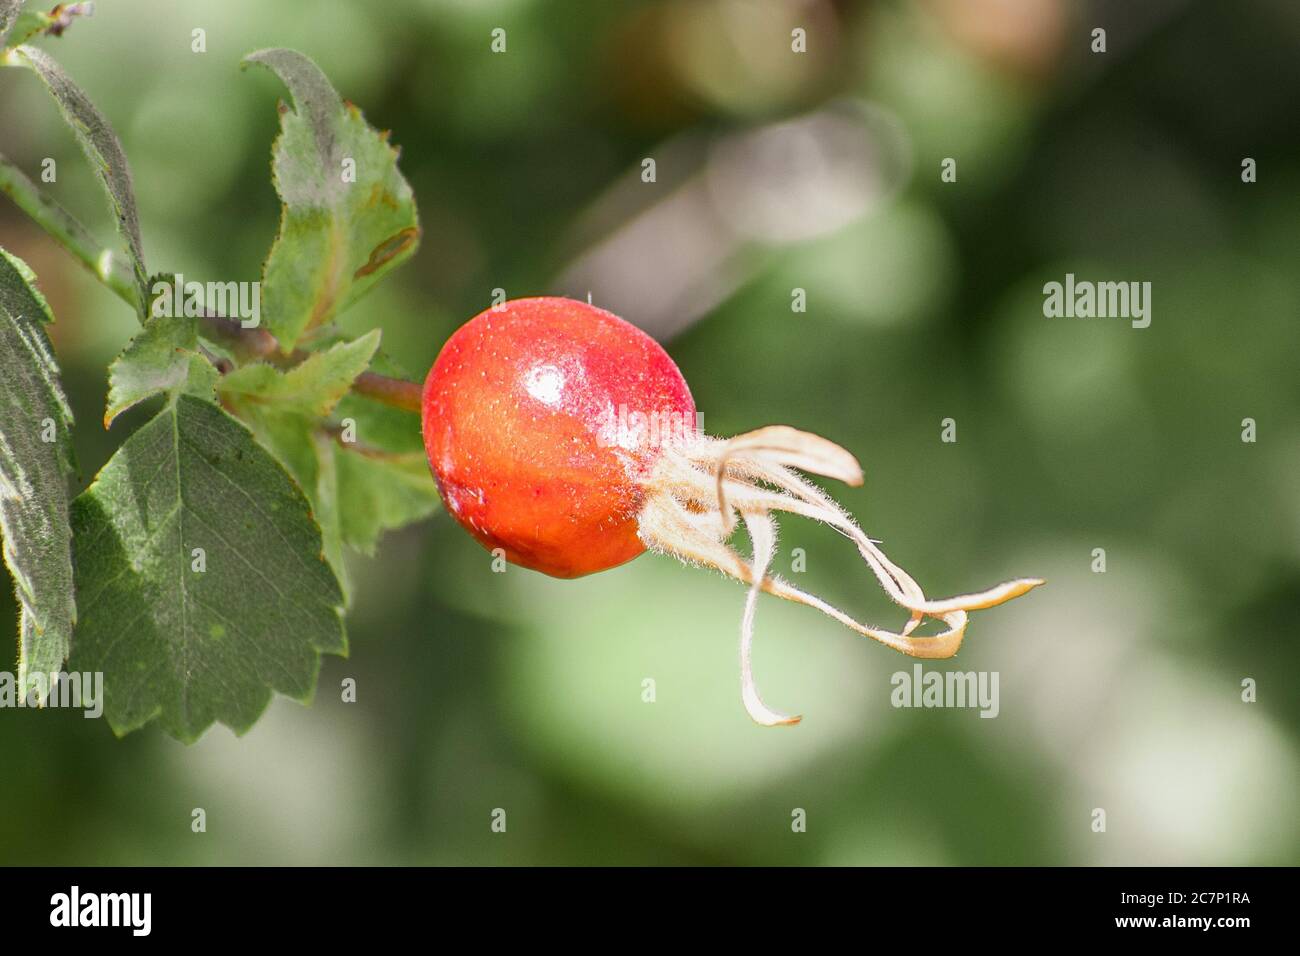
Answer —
695 490
788 447
762 531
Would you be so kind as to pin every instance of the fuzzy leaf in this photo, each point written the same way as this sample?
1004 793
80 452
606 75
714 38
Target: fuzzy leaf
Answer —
104 151
9 10
162 358
337 237
311 388
35 467
190 646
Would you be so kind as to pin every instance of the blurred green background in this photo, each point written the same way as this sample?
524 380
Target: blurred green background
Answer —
774 171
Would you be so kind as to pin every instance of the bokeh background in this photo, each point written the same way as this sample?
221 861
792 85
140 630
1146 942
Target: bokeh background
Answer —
775 171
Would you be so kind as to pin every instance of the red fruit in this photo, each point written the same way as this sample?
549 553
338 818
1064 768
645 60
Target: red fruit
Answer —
521 424
567 437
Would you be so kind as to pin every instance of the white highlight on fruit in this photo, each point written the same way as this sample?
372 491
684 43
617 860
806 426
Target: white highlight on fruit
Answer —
545 383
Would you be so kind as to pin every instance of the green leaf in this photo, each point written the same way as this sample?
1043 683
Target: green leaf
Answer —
104 151
311 388
9 11
383 479
163 358
190 646
382 426
337 237
35 467
376 493
358 492
359 488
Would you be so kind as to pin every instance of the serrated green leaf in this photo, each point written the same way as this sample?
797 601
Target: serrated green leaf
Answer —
358 489
337 237
379 492
325 499
185 646
311 388
353 501
104 150
383 479
35 467
295 440
383 426
163 358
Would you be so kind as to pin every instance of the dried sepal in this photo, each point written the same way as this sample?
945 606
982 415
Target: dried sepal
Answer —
698 486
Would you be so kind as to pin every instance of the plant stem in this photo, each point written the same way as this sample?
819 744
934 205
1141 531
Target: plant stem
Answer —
71 234
397 392
248 344
260 345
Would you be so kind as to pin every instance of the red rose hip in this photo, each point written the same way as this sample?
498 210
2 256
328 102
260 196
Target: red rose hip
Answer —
527 423
567 438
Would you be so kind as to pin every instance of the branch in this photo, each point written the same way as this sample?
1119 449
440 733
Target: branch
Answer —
397 392
260 345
